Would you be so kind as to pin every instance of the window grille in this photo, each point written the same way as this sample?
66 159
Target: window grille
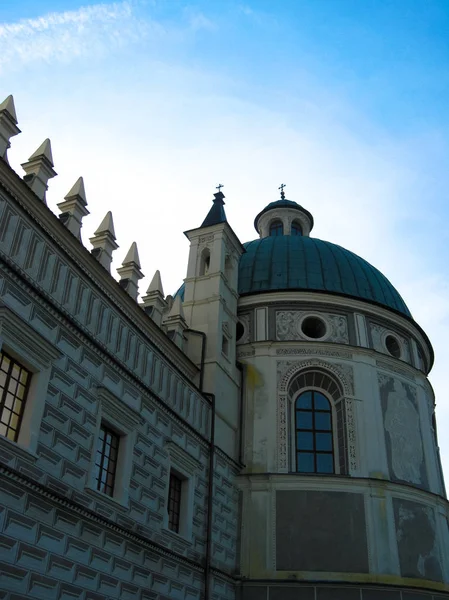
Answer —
106 460
14 385
174 502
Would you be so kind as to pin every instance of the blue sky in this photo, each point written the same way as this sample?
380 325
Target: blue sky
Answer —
156 102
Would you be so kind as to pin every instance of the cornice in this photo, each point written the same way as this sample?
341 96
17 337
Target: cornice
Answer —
80 257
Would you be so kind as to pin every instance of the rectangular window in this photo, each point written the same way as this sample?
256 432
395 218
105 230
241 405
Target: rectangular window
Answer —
174 502
14 385
106 460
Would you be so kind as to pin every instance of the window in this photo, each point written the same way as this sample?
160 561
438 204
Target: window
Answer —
106 460
204 262
174 502
393 347
313 431
276 228
25 368
14 385
225 345
112 450
180 490
296 228
313 327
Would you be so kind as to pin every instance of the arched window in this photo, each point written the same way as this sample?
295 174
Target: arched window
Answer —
204 262
276 228
313 432
296 228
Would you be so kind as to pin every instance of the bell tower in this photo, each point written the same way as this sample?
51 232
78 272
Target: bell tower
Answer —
210 305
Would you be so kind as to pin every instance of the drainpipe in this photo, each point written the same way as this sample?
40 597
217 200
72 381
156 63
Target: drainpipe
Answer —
203 353
207 593
239 366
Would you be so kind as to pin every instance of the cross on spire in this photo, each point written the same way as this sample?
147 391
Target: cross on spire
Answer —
281 187
219 186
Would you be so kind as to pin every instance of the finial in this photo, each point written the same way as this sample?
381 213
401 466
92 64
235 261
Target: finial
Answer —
281 187
8 125
103 242
39 169
219 186
73 208
130 272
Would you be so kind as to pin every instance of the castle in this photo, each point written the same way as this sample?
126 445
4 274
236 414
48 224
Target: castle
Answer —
267 432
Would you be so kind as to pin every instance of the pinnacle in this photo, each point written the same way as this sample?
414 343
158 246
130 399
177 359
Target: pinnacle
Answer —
43 150
106 226
132 256
77 190
156 284
8 106
177 309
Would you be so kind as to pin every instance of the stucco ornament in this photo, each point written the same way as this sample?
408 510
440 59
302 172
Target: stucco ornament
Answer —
288 326
402 426
379 335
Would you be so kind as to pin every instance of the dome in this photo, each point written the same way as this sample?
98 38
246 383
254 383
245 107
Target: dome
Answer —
309 264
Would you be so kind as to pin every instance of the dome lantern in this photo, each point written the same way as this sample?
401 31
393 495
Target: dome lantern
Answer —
283 217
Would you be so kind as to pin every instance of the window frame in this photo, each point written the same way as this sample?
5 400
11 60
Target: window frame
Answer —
296 224
314 430
5 390
292 437
115 437
184 467
25 345
114 414
276 223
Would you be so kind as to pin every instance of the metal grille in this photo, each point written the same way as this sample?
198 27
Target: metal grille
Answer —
106 460
14 385
174 502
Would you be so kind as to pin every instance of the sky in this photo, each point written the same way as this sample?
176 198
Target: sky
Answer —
156 102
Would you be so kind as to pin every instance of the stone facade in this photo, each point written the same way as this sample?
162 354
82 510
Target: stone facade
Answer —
200 398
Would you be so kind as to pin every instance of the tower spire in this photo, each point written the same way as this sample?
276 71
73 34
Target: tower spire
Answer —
216 214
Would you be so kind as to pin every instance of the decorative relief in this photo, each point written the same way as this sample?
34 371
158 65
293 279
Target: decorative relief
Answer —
350 432
308 351
288 326
378 335
282 446
206 238
389 367
403 430
287 369
244 354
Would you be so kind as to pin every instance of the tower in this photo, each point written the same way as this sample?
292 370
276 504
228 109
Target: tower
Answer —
210 305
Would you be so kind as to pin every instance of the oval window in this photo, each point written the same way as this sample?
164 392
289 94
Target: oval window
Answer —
393 346
240 330
313 327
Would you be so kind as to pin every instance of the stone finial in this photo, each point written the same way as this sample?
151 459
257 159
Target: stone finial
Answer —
39 169
175 322
154 303
73 208
8 125
104 243
130 272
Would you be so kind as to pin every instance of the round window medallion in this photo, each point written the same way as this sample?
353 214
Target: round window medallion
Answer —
240 330
392 345
313 327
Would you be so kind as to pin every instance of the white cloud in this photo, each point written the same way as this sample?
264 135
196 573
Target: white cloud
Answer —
88 31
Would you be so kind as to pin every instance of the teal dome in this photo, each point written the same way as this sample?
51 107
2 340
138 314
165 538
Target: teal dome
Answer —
283 263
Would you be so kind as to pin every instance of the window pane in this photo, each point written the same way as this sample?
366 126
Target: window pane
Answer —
323 441
304 440
321 402
306 462
304 420
322 421
304 401
325 463
106 460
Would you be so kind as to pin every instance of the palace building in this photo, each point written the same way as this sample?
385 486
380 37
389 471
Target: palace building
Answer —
267 432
